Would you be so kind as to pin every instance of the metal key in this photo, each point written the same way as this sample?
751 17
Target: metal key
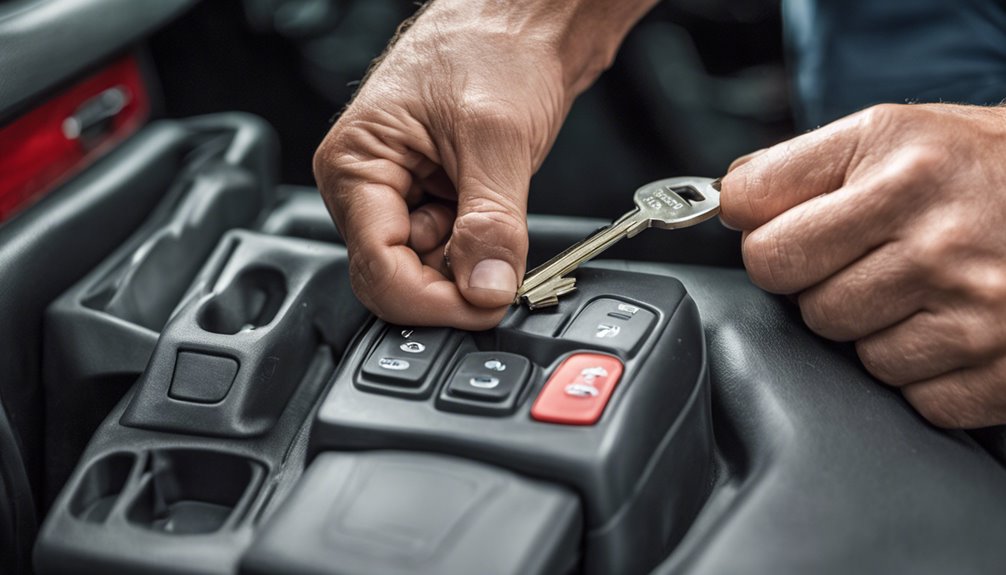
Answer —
666 204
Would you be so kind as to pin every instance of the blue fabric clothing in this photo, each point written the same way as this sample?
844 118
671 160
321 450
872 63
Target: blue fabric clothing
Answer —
849 54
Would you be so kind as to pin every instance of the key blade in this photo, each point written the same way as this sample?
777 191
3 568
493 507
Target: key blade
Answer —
571 258
548 294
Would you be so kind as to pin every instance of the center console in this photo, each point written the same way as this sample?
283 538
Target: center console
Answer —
217 401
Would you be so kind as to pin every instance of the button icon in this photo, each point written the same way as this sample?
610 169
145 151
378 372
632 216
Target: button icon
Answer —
484 382
582 390
407 333
627 308
412 347
393 364
591 373
494 365
607 331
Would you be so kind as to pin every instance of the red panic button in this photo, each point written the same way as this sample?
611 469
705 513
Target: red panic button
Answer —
578 390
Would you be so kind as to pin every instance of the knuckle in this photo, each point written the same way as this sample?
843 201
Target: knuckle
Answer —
935 253
822 312
879 117
369 283
972 335
359 281
743 197
490 225
984 285
322 162
922 161
334 158
771 261
876 358
481 113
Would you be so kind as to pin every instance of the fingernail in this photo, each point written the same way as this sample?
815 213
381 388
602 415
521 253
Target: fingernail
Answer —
494 275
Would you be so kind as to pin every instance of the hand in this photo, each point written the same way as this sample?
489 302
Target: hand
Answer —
451 125
889 224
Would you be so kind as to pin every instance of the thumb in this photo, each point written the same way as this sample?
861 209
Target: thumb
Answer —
488 245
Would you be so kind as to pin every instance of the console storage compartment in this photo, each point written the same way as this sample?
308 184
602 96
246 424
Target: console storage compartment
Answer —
413 513
101 486
244 338
190 491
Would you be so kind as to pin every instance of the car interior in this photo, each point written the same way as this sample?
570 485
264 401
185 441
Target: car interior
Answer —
189 385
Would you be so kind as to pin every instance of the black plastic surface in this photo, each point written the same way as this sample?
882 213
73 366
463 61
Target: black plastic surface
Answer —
202 377
99 334
193 492
205 474
826 470
41 255
397 513
265 302
643 470
100 486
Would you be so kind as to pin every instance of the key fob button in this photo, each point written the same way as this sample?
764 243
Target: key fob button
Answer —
578 390
612 323
403 356
486 382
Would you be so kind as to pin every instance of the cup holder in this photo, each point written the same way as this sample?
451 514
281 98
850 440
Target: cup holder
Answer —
249 302
191 492
101 486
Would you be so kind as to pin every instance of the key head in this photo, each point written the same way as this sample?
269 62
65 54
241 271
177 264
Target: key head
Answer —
676 203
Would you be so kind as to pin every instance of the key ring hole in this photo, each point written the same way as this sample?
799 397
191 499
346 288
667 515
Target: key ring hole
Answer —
689 194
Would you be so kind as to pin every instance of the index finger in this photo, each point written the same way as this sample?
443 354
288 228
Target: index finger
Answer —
389 277
766 184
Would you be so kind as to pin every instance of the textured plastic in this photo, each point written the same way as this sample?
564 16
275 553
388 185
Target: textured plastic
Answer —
192 498
202 377
100 333
264 301
405 513
825 470
43 251
643 470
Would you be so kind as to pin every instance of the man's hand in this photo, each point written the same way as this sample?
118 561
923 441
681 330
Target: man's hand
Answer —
435 153
891 226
